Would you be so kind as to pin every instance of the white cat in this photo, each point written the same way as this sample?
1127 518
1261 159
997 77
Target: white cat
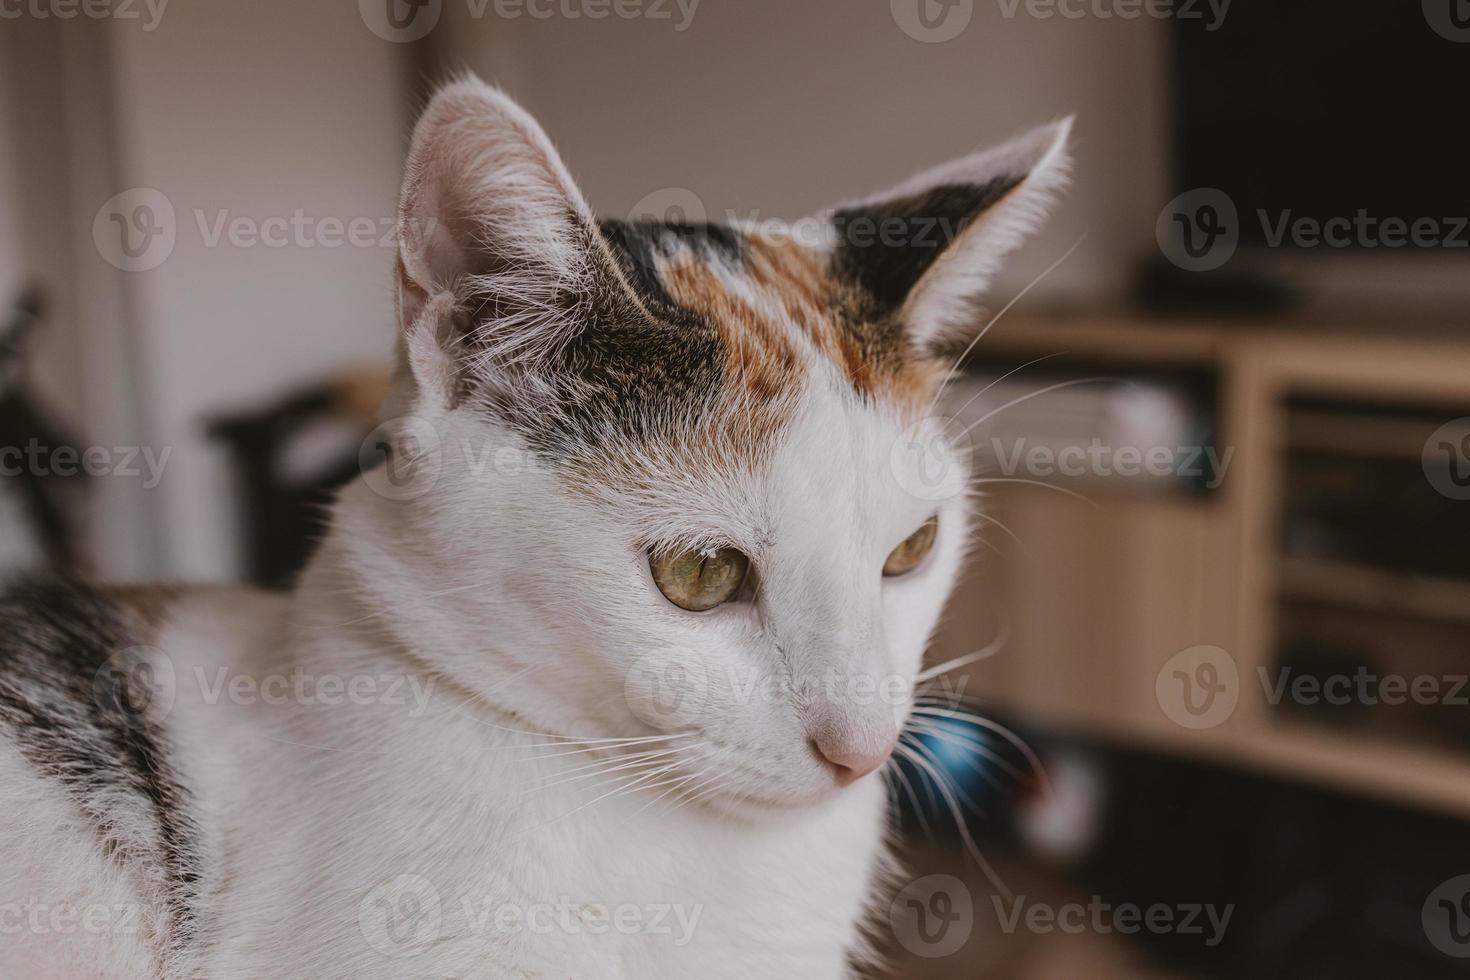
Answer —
592 678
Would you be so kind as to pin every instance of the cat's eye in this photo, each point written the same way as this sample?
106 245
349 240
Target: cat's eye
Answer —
700 578
912 549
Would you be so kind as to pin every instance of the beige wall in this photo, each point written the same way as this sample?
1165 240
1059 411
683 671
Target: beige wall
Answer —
253 111
762 108
776 108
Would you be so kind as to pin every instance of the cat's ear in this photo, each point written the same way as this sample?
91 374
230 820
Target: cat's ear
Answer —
498 253
926 250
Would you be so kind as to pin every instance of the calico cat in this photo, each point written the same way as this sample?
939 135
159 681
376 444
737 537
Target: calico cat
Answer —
591 678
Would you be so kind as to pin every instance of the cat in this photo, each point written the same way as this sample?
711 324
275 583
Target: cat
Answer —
593 676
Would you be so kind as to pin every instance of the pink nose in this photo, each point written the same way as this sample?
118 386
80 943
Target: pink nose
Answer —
852 761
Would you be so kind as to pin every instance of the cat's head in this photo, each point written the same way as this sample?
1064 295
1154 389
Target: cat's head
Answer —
679 477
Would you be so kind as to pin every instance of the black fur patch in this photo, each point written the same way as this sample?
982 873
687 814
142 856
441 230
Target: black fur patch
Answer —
638 366
886 247
636 244
65 663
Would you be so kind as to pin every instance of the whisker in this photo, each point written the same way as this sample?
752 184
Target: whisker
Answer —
672 789
420 598
959 819
901 778
1003 310
1038 483
989 518
989 650
627 787
971 805
963 740
1032 759
1015 370
1070 383
602 768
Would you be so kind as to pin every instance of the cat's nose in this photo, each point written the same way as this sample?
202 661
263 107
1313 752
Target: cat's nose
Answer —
853 754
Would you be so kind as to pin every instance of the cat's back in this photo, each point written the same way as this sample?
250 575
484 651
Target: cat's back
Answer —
104 867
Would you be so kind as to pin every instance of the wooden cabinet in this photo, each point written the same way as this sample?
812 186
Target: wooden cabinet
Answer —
1099 594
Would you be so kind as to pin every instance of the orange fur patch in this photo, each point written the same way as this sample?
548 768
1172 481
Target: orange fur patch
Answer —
828 314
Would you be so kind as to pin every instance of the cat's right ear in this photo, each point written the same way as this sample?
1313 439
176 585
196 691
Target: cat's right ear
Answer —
498 254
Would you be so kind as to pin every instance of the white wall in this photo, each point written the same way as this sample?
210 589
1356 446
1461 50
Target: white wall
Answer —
776 108
255 110
767 108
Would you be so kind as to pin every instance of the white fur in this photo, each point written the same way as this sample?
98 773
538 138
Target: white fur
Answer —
523 606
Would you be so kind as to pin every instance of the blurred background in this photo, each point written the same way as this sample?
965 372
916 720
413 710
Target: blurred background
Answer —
1218 619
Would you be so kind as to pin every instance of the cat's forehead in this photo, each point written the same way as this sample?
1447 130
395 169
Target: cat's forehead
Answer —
778 308
703 347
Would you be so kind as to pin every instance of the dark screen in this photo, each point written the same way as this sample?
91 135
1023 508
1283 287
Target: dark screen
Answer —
1325 107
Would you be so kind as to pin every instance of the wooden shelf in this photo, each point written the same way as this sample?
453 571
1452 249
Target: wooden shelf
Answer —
1405 773
1375 589
1361 437
1103 595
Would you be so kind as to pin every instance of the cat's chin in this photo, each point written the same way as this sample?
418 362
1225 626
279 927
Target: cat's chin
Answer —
757 805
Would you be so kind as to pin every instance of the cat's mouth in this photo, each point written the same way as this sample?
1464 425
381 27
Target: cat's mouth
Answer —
805 780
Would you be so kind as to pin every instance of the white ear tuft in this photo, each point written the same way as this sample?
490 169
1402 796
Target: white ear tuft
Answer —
490 218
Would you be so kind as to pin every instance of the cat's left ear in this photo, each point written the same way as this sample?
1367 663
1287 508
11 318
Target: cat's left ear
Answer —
498 253
926 250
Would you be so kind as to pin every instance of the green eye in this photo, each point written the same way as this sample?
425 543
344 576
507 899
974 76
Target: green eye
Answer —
700 578
912 549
